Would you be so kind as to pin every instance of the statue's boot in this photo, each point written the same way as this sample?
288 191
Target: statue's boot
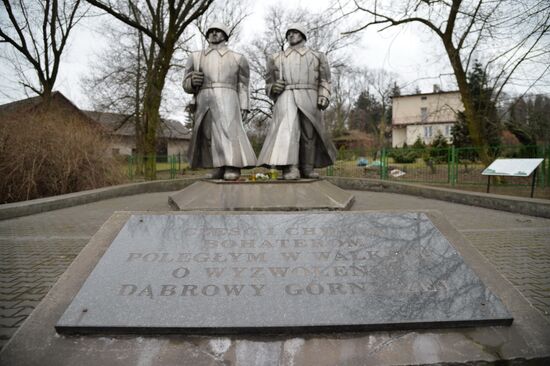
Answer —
231 173
308 143
291 172
309 173
216 173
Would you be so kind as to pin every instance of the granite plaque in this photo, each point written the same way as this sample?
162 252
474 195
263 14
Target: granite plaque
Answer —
224 273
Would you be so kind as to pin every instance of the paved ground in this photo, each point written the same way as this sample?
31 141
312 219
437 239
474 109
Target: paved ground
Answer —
35 250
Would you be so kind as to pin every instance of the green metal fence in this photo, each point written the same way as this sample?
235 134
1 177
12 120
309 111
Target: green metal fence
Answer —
445 166
454 167
167 166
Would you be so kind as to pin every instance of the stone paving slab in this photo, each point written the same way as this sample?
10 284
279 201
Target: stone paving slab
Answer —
35 250
517 245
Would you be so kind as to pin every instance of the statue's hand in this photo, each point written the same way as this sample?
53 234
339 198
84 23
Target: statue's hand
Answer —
278 87
244 114
197 78
322 103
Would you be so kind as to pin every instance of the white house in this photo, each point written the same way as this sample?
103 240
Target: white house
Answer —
424 115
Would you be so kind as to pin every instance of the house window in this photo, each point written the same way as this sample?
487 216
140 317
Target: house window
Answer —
424 114
423 98
448 130
428 132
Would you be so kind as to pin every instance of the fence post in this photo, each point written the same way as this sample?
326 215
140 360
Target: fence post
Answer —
545 166
130 167
383 167
454 165
449 162
456 161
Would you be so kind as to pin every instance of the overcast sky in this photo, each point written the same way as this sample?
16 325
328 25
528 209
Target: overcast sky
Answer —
411 52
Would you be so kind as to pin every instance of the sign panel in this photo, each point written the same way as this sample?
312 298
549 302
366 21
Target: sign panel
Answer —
512 167
280 272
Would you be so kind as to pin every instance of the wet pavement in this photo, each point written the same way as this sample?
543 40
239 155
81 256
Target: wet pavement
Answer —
35 250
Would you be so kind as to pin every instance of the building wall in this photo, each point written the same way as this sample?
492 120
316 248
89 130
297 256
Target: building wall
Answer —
125 145
121 145
440 107
177 147
417 113
399 137
427 132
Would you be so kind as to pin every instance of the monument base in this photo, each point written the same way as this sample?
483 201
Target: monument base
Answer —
299 195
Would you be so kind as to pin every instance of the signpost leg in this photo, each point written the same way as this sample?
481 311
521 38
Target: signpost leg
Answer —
488 182
533 183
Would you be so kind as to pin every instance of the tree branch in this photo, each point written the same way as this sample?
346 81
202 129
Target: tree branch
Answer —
134 23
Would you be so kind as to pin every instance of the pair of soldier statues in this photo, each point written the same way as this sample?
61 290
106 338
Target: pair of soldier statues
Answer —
297 80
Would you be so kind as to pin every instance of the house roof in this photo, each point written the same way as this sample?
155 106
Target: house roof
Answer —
114 123
122 125
422 94
29 104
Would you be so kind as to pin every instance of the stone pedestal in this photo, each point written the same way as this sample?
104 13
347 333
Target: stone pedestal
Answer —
300 195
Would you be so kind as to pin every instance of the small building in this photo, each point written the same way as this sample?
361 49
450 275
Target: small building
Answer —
172 137
60 106
424 115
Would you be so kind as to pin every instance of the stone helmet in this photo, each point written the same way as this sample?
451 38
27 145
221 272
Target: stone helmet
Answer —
217 25
298 27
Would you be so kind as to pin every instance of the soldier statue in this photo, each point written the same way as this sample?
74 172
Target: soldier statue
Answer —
298 81
218 79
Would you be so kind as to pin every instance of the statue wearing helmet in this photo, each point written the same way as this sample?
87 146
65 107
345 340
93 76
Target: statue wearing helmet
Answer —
218 79
298 81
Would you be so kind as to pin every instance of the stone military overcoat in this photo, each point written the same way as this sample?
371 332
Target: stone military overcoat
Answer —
222 96
306 74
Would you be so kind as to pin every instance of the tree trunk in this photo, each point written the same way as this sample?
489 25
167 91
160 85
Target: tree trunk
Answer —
46 97
151 105
473 120
382 130
138 115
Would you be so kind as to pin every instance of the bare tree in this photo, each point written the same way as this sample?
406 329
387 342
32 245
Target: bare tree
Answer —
38 31
163 22
116 77
347 84
509 33
383 83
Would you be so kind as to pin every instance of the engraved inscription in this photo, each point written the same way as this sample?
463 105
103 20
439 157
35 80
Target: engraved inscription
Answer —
152 291
288 260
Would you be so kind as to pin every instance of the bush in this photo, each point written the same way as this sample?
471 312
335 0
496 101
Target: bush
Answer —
404 155
408 155
438 151
419 144
44 155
